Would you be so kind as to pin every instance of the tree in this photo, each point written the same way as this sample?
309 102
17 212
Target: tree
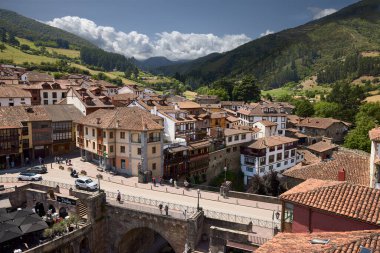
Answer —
272 182
326 109
24 47
136 72
303 108
246 90
2 47
257 185
365 120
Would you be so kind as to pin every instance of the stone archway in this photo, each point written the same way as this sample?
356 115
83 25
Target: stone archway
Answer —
84 246
144 239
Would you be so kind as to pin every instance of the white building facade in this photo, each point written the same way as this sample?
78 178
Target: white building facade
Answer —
275 153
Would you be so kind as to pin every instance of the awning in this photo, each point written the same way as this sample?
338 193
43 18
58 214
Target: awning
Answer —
5 203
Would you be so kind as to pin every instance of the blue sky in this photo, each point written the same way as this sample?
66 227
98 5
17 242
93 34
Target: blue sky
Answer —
230 22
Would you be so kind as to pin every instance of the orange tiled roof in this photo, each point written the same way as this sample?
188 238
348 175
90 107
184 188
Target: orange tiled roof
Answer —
270 142
322 146
340 242
355 165
342 198
13 92
321 123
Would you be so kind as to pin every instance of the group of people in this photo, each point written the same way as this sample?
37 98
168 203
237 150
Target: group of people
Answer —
59 160
160 206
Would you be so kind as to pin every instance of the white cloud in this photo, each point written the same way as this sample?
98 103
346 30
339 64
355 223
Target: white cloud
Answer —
267 32
173 45
320 13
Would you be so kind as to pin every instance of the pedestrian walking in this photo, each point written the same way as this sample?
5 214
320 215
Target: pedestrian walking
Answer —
160 181
27 160
171 182
118 196
160 206
154 181
166 210
40 159
175 184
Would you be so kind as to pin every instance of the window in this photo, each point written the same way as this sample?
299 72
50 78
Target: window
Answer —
153 166
93 132
274 119
286 163
22 99
270 167
46 102
111 149
279 156
286 154
279 147
236 137
122 135
293 152
229 138
228 150
93 145
86 143
292 161
262 160
111 135
278 165
282 125
153 150
54 94
248 169
262 169
271 158
122 149
139 151
283 119
45 95
86 130
104 134
63 95
54 102
243 136
271 149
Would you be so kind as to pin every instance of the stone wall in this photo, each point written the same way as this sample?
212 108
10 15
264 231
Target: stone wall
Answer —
220 236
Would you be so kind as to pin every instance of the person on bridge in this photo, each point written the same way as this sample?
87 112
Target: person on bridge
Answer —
166 210
160 206
171 182
118 196
154 181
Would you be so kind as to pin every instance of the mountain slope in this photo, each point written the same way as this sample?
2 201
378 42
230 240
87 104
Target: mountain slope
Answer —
35 31
292 54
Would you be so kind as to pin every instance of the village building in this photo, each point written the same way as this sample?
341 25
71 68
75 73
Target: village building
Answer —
32 77
14 96
232 105
207 99
275 153
374 136
316 128
88 100
345 165
266 128
124 139
327 206
263 111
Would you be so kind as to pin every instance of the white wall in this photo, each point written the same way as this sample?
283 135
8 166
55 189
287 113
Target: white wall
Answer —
50 100
15 101
73 100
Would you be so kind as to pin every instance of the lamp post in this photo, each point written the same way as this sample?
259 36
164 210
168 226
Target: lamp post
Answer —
98 183
199 194
225 173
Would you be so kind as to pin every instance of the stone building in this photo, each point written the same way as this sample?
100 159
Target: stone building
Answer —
123 139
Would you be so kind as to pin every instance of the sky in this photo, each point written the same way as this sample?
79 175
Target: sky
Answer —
176 29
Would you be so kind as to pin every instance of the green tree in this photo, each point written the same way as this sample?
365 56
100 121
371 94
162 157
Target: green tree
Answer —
2 47
366 119
246 90
303 108
24 47
326 109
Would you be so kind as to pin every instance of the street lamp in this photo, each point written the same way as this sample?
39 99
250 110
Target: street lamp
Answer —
199 194
225 173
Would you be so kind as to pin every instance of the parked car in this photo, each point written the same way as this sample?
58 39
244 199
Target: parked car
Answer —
29 176
40 169
86 184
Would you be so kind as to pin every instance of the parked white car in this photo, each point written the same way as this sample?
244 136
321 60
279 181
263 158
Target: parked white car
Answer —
29 176
86 184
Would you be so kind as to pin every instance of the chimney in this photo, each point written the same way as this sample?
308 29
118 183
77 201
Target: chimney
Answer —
117 123
97 120
342 175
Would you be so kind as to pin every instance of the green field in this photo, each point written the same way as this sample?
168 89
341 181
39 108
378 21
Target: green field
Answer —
295 92
19 57
68 52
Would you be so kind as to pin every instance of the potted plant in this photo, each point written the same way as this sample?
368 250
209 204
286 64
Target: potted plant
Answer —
100 176
48 233
83 172
61 167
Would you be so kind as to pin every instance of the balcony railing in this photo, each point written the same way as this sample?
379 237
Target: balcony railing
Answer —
9 151
154 139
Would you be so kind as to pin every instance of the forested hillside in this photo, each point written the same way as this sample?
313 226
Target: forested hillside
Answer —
324 46
41 34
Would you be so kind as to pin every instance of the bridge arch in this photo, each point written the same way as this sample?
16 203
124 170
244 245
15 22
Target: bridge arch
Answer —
142 238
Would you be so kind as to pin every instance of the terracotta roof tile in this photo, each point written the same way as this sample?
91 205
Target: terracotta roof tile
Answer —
34 76
188 105
321 123
13 92
270 142
355 165
267 123
340 242
349 200
322 146
128 118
